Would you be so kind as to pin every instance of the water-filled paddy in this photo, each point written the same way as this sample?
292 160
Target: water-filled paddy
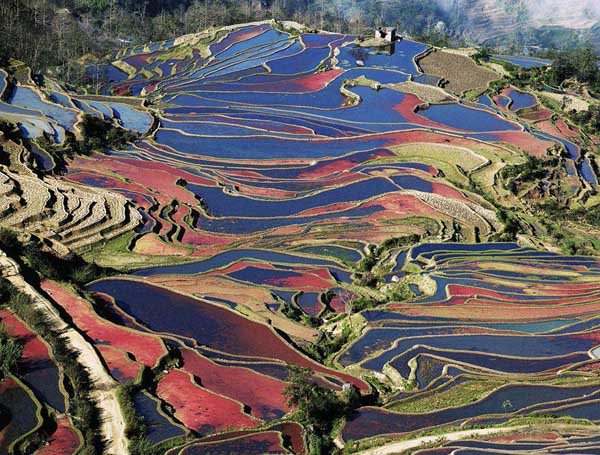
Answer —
159 427
524 61
517 346
282 177
467 119
22 411
501 364
229 257
253 225
402 58
209 325
223 204
521 100
131 118
25 97
371 421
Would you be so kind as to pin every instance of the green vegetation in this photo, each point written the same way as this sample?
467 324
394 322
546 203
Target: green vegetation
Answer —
582 215
589 119
96 135
574 67
10 348
318 408
72 268
316 404
580 64
546 419
533 169
81 406
135 428
483 53
459 395
550 103
326 344
365 275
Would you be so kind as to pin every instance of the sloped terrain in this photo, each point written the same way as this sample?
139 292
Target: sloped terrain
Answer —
304 199
485 19
62 212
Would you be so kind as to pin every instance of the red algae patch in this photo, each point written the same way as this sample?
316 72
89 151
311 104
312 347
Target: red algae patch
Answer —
263 394
64 441
200 409
34 349
122 368
147 349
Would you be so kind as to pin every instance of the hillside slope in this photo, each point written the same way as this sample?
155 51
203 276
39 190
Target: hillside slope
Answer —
481 20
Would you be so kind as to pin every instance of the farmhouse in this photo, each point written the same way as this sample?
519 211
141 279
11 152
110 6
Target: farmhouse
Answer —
386 33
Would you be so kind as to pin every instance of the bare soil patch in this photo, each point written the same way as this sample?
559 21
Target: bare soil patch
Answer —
462 73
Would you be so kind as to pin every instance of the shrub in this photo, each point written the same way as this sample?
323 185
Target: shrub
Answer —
97 135
73 268
318 407
9 240
533 169
483 53
85 411
10 353
327 345
135 426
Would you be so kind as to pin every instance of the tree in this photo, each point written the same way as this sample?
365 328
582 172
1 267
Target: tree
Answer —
348 299
580 63
483 53
586 64
562 69
10 353
317 405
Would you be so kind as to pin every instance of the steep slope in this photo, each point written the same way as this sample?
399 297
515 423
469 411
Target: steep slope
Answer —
481 20
572 14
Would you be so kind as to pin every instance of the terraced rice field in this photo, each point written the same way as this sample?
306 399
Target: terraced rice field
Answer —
524 61
270 163
508 318
41 387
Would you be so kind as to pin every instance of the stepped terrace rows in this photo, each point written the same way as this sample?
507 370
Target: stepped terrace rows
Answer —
498 322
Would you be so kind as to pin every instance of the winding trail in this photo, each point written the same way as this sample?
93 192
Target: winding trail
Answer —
402 446
104 387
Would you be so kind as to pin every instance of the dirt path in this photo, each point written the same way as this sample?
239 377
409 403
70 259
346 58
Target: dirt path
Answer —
104 386
402 446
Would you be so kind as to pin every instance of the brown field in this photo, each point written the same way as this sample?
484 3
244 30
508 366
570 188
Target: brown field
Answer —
462 73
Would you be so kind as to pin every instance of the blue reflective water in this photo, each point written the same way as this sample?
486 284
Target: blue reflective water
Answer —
25 97
402 59
466 119
516 346
253 225
521 100
158 427
222 204
524 61
228 257
131 118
